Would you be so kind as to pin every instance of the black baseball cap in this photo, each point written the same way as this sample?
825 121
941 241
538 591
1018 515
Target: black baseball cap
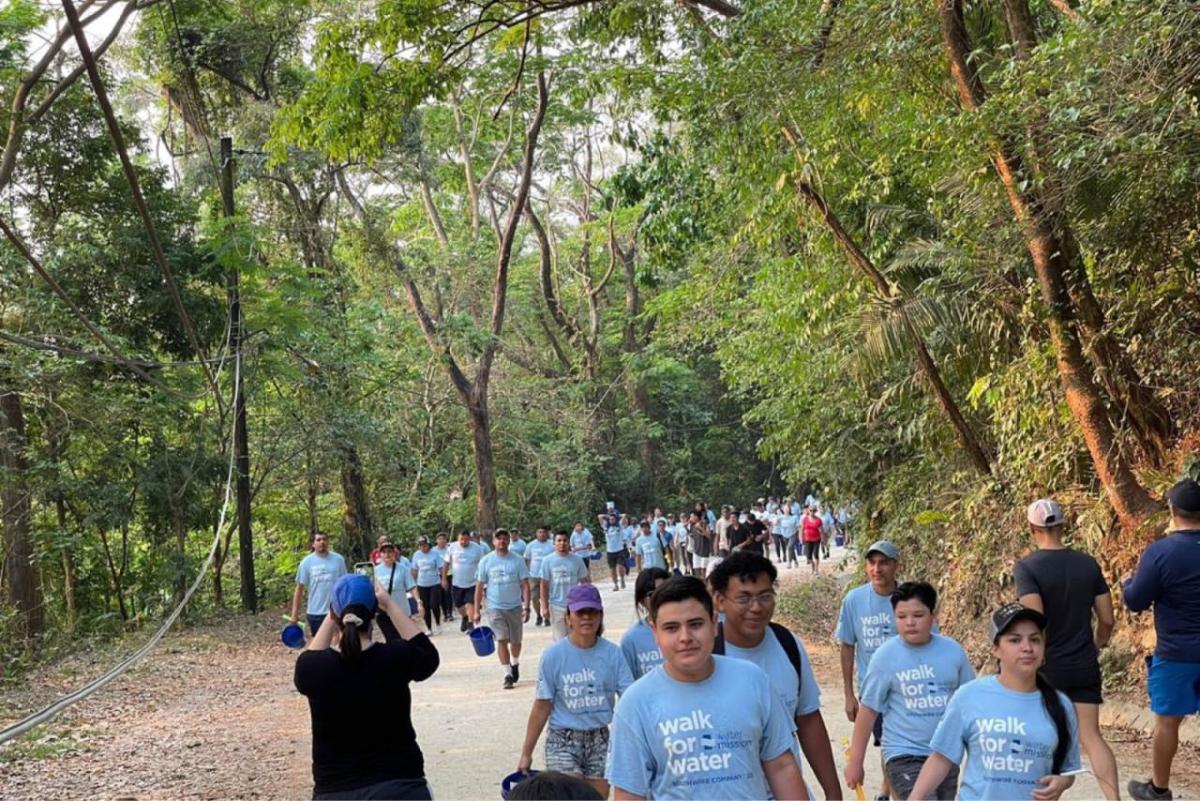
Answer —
1185 496
1008 614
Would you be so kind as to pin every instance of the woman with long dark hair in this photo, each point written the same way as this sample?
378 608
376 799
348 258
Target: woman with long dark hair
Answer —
638 643
1018 733
357 755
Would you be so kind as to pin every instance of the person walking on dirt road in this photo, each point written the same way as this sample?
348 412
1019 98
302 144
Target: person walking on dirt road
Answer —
1067 586
503 578
1168 578
317 574
541 547
638 644
865 622
464 566
744 590
579 678
703 726
561 571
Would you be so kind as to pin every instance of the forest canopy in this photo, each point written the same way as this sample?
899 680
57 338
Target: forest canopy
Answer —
495 264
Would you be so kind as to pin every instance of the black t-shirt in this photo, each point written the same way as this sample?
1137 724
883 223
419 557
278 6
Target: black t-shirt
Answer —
352 746
737 535
758 529
1068 582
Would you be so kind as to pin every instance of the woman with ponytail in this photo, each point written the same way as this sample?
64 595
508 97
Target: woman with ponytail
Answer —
1018 733
358 755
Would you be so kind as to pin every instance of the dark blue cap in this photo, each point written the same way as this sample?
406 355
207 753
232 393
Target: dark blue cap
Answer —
353 590
1185 496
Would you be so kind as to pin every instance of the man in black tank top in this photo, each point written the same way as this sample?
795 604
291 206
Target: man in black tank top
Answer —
1067 586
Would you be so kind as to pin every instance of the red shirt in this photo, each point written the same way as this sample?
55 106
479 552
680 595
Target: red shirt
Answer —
812 529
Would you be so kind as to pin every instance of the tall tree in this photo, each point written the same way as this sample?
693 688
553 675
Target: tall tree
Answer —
1129 498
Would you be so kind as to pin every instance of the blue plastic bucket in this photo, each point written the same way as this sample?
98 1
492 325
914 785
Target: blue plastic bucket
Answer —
483 641
292 636
412 605
512 780
839 540
630 563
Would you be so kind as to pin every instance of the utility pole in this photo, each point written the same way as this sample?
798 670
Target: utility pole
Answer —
241 441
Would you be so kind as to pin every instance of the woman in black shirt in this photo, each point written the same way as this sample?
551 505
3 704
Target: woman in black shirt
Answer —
359 755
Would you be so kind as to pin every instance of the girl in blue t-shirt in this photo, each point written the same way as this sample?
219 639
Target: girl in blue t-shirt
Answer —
638 644
578 680
1018 734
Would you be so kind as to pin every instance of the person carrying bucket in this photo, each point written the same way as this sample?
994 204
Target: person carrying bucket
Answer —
578 680
396 578
504 578
356 755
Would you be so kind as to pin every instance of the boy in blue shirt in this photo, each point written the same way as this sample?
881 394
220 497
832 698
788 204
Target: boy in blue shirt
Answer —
704 726
744 590
504 578
910 680
541 547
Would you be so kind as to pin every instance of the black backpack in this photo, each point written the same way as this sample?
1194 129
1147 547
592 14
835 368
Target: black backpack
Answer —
785 638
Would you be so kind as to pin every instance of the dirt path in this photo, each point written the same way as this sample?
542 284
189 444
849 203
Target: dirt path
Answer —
213 715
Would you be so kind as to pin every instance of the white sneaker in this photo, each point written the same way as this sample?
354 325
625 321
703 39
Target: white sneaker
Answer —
428 633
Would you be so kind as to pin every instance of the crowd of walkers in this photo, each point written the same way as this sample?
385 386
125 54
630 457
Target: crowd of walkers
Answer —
708 696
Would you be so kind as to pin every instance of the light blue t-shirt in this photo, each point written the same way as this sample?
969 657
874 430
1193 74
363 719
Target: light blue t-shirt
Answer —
614 539
443 554
801 697
698 740
465 562
319 574
866 621
502 577
582 683
1007 736
427 566
562 573
518 546
786 525
582 543
401 584
535 553
912 685
640 649
651 550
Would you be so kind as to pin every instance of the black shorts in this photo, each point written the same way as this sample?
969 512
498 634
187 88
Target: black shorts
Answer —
1081 683
463 595
812 550
617 558
878 732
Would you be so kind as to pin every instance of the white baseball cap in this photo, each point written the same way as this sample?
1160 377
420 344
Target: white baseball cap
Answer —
1045 513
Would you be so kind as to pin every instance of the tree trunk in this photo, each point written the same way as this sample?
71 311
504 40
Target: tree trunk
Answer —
1129 498
356 513
925 364
24 589
68 564
312 492
1134 401
486 497
632 344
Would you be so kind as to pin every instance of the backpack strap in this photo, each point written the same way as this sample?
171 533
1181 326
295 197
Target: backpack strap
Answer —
788 641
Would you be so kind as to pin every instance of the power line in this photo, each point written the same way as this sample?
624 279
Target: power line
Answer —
48 712
89 356
114 131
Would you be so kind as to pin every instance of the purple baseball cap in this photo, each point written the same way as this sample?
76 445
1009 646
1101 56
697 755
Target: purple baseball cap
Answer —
584 596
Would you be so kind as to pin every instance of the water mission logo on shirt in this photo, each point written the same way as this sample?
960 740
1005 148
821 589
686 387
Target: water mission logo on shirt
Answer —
921 690
1009 753
694 748
579 691
874 630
